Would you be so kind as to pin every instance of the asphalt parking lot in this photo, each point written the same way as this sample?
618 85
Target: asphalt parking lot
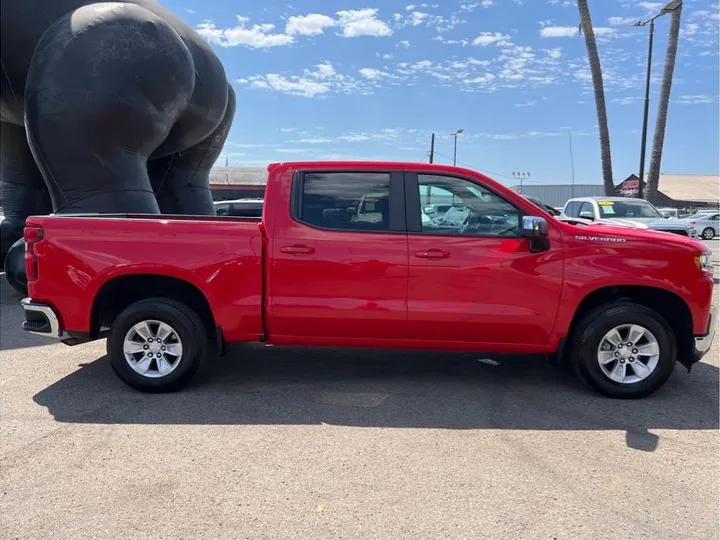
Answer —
293 443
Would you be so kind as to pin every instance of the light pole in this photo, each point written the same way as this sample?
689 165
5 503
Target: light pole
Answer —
521 176
669 8
458 132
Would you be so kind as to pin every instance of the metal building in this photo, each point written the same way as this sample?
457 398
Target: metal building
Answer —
557 195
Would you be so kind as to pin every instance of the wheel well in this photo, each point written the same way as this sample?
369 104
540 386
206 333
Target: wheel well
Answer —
119 293
669 305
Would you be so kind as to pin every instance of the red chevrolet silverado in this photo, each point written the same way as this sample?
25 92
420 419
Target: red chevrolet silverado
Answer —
345 255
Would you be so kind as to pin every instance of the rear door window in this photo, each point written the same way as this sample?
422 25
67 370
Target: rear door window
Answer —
348 201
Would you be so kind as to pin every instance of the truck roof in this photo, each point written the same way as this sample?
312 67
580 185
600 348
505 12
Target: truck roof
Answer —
596 198
368 164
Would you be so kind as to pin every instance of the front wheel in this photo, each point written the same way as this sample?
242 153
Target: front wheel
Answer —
708 233
157 345
624 350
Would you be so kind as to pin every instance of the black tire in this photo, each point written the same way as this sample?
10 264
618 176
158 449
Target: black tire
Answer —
189 328
590 332
708 233
14 267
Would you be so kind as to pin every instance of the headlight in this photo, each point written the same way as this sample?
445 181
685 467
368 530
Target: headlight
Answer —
703 263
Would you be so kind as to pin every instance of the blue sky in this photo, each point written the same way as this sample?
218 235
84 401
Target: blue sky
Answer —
371 79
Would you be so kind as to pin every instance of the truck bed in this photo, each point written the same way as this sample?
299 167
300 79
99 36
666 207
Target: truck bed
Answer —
221 256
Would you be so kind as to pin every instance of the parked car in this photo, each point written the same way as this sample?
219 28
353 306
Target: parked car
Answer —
707 224
624 211
669 212
239 208
549 209
620 305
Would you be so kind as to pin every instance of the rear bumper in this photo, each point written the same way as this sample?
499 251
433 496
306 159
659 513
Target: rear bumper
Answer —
703 343
41 319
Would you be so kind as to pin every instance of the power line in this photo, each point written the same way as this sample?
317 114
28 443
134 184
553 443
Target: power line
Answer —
485 171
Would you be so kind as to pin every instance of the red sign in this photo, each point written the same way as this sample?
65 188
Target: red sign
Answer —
630 187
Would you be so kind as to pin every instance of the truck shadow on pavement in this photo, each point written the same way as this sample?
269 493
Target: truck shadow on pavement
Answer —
272 386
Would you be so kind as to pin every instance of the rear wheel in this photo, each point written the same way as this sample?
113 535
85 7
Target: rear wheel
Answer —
624 350
708 233
157 345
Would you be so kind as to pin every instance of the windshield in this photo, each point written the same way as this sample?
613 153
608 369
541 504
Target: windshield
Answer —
628 209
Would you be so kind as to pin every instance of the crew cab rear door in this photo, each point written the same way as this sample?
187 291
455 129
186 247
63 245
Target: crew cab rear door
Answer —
473 278
339 259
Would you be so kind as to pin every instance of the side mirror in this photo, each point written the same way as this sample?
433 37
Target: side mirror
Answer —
534 227
587 215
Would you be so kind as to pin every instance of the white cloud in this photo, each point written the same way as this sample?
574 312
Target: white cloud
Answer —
314 140
293 150
309 25
695 100
603 31
621 21
554 53
362 22
403 44
487 3
258 36
371 73
410 7
470 7
650 6
298 86
488 38
417 17
558 31
325 71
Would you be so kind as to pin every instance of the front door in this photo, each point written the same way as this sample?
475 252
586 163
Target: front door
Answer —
339 259
472 276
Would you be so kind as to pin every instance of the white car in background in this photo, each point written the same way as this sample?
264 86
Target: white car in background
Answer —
707 224
625 211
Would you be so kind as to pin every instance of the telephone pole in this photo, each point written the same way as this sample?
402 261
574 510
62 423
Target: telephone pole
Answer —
432 148
521 176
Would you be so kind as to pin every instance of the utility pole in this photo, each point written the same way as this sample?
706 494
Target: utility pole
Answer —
432 148
458 132
521 176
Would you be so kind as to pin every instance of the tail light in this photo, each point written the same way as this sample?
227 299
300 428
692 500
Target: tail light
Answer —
693 222
31 235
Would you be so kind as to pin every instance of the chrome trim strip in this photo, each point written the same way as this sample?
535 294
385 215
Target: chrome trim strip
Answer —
29 305
703 343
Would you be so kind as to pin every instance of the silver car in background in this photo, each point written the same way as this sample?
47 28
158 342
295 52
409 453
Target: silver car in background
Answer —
707 224
625 211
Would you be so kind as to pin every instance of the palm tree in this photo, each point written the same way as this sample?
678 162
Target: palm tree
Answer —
653 180
597 79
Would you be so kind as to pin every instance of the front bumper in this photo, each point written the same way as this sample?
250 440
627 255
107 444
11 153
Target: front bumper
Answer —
41 319
703 343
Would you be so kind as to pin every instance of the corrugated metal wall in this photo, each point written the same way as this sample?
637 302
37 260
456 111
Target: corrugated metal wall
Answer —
558 194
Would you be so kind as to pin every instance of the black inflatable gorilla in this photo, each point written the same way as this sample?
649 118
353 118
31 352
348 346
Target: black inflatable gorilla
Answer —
111 107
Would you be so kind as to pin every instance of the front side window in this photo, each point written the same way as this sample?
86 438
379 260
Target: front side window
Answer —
353 201
587 208
471 208
572 209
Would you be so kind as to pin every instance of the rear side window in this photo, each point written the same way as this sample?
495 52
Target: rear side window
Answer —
351 201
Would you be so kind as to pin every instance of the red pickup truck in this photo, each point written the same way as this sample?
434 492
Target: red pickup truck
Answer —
344 255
